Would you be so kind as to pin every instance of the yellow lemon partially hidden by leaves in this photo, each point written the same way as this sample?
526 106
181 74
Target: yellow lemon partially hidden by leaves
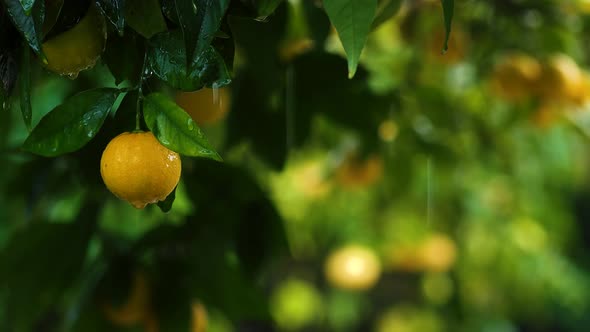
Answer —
353 267
205 106
136 309
78 48
137 168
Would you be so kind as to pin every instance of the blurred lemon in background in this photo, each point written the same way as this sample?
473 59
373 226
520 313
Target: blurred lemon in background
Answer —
409 319
354 173
205 106
515 76
295 304
561 79
199 317
353 267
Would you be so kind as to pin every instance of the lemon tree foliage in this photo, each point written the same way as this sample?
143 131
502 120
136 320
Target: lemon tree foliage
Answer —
106 93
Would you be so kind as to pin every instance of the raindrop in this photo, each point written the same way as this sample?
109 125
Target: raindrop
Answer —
263 19
72 76
190 124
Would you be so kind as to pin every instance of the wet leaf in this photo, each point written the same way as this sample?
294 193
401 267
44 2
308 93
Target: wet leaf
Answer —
113 10
167 59
71 125
30 26
199 21
27 5
352 20
25 87
166 205
145 17
448 9
8 71
175 129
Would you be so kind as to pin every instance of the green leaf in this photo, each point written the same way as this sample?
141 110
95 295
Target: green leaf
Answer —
113 10
124 56
52 13
175 129
199 21
352 20
145 17
386 10
30 26
71 125
25 87
167 59
27 5
448 9
166 205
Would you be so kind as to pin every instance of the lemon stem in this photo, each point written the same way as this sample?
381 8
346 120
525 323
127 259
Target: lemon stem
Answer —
140 95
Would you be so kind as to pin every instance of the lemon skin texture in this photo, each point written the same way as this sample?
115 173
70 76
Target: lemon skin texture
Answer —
137 168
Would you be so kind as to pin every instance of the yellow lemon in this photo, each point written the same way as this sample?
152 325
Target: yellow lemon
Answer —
78 48
199 317
137 168
204 106
561 79
438 253
353 267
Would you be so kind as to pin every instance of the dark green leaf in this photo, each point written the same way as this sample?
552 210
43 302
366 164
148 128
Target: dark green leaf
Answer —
72 124
174 128
167 59
113 10
448 10
169 10
145 17
42 250
253 226
30 26
266 7
25 87
352 19
166 205
8 71
27 5
386 10
52 13
199 21
124 56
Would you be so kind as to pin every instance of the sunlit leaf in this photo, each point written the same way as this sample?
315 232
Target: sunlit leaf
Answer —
113 10
167 59
71 125
30 26
352 20
145 17
175 129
